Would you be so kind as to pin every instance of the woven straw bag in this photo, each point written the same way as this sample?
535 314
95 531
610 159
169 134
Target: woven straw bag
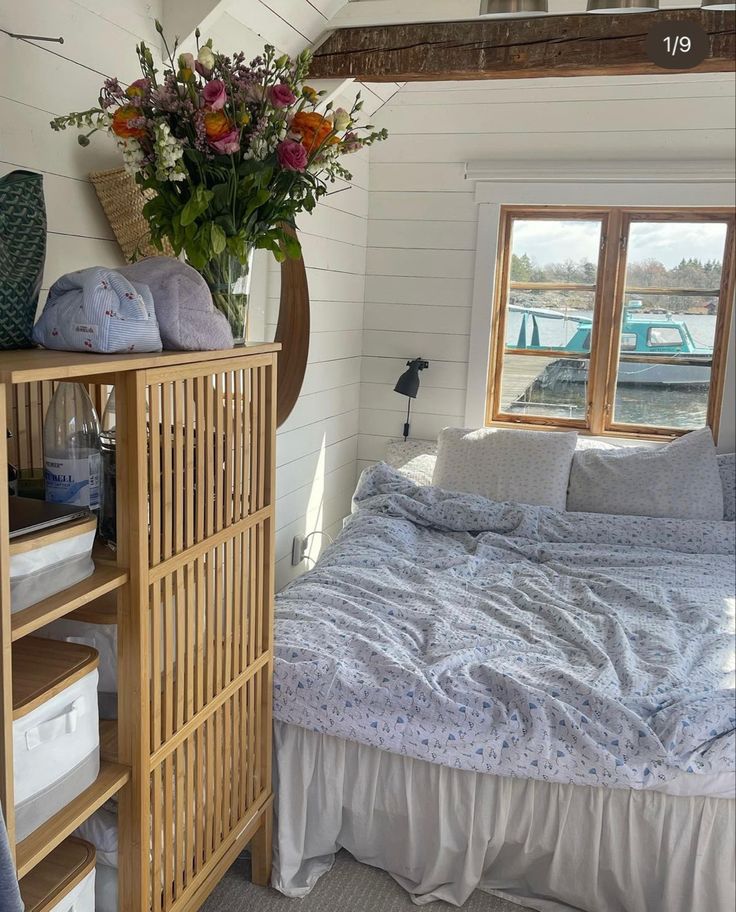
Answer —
123 201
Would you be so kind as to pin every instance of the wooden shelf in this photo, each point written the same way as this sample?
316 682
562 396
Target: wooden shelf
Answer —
57 875
109 740
32 365
103 610
34 848
105 579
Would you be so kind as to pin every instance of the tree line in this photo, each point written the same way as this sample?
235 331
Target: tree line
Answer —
691 273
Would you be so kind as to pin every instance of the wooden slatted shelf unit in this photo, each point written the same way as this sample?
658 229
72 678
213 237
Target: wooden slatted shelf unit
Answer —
190 587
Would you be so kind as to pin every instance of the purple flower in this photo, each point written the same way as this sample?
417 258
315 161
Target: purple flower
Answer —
281 96
292 155
214 94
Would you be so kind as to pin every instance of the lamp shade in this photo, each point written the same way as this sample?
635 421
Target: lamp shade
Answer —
623 6
408 382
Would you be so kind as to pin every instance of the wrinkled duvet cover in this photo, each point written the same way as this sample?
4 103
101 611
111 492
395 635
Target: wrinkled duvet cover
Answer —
516 640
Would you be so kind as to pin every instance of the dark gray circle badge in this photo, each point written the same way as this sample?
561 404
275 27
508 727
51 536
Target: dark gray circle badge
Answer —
677 45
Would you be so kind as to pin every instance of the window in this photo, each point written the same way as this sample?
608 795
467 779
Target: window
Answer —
610 320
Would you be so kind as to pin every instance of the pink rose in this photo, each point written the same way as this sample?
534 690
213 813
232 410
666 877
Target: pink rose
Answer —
214 94
281 96
229 143
292 155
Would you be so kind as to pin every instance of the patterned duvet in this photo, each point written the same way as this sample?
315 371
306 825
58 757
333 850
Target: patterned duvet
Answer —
516 640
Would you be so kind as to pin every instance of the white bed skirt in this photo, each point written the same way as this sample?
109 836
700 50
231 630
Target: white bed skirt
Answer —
442 833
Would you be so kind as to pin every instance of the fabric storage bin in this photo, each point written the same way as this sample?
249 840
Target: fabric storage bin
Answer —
64 881
56 742
42 564
95 625
101 829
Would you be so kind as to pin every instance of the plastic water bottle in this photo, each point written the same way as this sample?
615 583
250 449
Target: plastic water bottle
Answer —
108 524
71 443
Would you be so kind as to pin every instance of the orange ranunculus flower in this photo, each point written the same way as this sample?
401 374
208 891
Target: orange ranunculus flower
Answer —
217 125
121 123
313 128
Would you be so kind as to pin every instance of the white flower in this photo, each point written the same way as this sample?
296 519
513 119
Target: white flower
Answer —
133 157
342 120
206 57
168 153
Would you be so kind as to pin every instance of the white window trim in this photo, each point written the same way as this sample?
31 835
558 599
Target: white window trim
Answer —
496 189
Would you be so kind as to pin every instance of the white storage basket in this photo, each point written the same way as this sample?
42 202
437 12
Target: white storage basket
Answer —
81 898
56 753
64 881
103 638
43 564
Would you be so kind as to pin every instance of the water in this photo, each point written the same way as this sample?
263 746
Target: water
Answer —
662 406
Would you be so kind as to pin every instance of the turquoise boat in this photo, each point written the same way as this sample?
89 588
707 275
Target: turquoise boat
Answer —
643 336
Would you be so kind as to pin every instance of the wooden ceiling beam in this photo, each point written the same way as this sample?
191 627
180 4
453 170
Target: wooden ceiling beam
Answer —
576 45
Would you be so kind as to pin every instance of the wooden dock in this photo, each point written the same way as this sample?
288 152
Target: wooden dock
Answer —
518 373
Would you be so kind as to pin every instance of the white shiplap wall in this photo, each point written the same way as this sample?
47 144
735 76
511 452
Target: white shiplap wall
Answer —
38 82
317 447
423 218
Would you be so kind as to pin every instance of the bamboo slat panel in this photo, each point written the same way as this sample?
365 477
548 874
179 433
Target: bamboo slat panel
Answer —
27 404
210 590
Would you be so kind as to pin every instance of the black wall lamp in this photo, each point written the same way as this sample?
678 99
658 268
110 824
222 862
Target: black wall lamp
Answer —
408 385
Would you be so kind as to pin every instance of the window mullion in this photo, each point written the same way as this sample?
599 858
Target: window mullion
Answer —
603 324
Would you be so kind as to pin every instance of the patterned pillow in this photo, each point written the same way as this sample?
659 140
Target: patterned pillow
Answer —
727 468
680 480
413 458
529 467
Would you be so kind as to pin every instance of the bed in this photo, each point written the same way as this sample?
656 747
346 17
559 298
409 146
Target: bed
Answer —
472 694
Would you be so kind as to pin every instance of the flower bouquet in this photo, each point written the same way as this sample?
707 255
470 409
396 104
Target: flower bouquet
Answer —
230 152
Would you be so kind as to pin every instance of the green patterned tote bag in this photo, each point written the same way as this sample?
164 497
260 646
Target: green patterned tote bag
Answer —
22 255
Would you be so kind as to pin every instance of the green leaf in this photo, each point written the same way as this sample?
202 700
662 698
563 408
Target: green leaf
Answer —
217 238
292 247
196 205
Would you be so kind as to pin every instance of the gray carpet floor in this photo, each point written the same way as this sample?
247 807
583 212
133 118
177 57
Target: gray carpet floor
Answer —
349 887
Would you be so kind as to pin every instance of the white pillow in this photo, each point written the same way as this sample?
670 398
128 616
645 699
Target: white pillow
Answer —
727 468
529 467
680 480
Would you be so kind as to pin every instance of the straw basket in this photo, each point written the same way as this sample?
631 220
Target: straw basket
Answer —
123 200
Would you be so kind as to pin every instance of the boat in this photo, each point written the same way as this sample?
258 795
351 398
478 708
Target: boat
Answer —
560 387
642 336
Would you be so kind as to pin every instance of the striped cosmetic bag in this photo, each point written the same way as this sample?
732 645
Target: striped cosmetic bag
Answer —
98 310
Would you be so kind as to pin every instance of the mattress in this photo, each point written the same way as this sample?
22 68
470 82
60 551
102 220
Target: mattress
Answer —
518 641
442 833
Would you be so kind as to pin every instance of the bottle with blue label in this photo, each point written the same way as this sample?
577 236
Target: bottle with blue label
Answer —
71 443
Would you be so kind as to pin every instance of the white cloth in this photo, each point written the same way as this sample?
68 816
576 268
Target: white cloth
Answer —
442 833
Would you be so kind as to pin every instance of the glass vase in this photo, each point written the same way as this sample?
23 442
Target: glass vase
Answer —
229 282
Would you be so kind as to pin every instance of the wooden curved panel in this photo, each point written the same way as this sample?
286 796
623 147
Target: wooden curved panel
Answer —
292 331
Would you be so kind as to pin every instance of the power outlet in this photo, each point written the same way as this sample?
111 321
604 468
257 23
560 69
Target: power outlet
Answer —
298 550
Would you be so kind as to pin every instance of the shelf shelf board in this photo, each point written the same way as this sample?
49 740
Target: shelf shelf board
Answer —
36 847
109 740
105 579
29 365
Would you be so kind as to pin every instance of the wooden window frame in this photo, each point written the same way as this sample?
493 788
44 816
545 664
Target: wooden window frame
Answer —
609 300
